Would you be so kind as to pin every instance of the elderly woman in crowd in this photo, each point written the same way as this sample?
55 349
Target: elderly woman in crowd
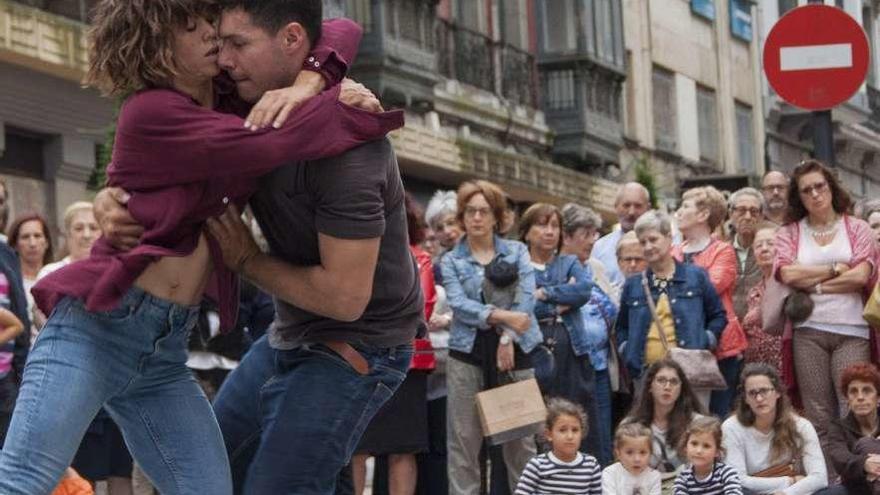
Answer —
487 343
702 211
772 448
830 255
689 312
871 214
666 404
563 287
441 216
580 229
763 347
853 447
81 230
630 255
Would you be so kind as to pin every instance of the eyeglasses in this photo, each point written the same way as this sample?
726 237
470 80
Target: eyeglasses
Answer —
630 259
770 188
472 211
663 381
742 210
819 188
759 392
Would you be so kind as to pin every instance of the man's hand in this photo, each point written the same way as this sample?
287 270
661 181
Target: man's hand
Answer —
117 225
235 239
275 105
357 95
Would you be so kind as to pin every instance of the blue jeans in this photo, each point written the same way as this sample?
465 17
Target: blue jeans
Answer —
132 361
603 417
291 419
722 400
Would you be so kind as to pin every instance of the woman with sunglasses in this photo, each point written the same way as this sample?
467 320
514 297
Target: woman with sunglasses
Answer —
831 256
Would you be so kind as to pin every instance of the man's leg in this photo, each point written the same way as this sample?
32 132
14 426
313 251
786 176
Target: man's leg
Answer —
313 415
237 407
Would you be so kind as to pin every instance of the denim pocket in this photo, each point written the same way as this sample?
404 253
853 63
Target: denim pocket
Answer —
120 314
381 394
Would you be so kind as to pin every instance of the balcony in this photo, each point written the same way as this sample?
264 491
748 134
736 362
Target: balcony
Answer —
397 58
474 58
581 61
43 41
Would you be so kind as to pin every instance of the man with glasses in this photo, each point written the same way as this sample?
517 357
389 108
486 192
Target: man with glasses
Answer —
746 212
775 189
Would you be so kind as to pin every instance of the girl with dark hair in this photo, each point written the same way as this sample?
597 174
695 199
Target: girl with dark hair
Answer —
831 256
666 404
772 448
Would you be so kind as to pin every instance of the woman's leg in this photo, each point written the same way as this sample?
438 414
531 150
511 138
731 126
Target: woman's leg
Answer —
463 427
402 474
69 374
848 351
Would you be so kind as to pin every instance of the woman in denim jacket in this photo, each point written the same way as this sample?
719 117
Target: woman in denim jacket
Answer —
686 302
562 288
486 342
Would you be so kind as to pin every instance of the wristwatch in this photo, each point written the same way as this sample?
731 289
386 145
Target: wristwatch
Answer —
505 339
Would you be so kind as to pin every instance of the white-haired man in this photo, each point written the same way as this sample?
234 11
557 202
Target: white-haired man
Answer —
632 201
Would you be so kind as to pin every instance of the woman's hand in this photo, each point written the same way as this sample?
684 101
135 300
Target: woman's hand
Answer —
439 322
540 295
872 465
275 105
519 322
505 357
357 95
236 241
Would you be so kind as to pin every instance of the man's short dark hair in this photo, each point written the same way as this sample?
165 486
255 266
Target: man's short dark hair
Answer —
272 15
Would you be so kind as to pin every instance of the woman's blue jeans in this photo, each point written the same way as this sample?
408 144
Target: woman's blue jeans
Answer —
131 361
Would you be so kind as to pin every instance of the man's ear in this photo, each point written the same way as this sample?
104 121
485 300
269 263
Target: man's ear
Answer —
293 38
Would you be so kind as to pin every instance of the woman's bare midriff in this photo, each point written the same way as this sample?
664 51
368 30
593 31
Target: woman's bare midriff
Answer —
181 280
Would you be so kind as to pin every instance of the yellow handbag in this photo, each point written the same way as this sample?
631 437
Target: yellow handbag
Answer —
872 308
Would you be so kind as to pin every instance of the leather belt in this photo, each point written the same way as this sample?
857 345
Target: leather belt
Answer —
350 355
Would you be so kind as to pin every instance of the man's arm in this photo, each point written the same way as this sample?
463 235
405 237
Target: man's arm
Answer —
339 288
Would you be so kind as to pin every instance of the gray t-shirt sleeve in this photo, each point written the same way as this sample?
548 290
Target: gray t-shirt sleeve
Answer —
349 192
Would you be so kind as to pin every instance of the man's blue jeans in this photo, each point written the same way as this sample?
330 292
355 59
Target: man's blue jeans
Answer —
291 419
132 361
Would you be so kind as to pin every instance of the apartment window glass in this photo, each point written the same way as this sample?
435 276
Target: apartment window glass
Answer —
745 145
786 5
707 120
559 90
516 28
665 129
472 15
868 25
24 152
605 29
559 26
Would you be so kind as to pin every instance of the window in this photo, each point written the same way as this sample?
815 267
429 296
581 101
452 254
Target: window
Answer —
868 25
559 23
745 146
665 129
472 15
559 90
707 121
786 5
516 28
24 153
605 30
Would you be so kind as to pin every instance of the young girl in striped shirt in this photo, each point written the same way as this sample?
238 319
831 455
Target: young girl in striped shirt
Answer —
563 470
705 473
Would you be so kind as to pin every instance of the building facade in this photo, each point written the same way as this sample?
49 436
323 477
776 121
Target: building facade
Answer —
693 93
50 127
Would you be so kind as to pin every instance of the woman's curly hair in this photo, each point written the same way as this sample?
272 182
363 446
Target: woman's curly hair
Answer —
131 42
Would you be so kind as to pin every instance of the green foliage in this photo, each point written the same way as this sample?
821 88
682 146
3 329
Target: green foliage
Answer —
645 177
104 154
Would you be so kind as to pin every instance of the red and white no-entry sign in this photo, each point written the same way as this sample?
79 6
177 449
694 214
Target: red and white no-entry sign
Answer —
816 57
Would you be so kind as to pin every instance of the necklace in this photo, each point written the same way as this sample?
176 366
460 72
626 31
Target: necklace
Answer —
827 230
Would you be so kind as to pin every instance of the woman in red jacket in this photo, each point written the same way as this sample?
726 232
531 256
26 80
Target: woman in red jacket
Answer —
702 210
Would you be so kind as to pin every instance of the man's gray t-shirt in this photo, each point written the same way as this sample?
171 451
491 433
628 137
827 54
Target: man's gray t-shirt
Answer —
356 195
